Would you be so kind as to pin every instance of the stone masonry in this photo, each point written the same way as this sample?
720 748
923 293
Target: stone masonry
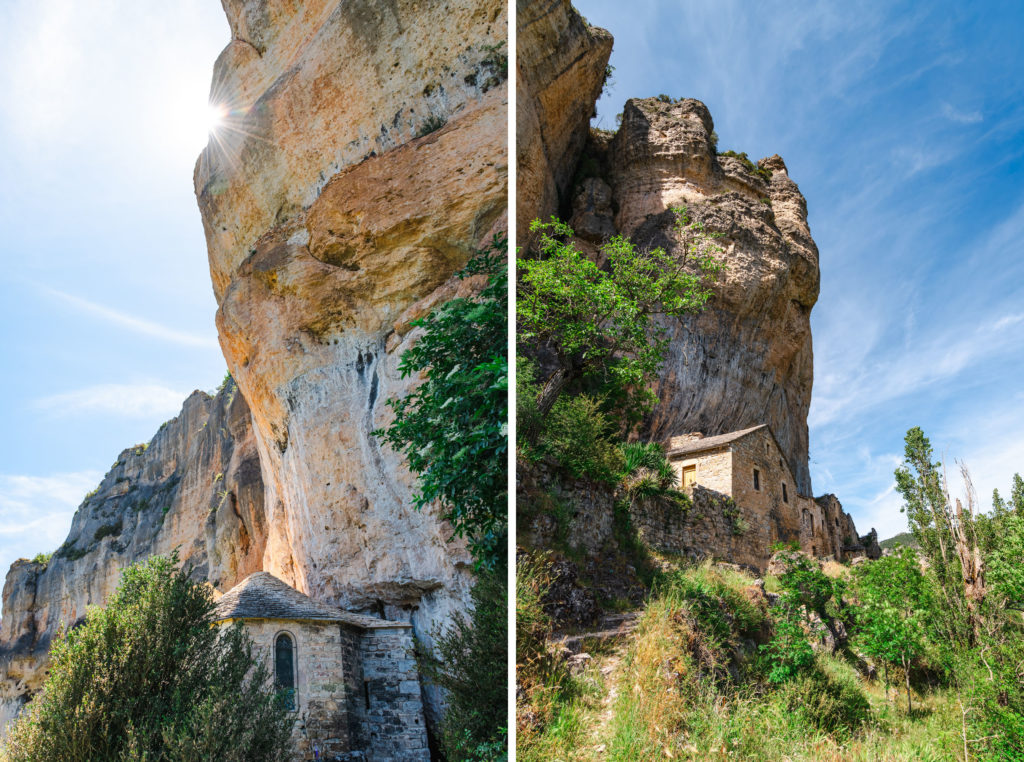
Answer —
356 691
749 467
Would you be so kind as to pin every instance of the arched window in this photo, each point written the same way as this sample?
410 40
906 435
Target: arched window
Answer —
284 670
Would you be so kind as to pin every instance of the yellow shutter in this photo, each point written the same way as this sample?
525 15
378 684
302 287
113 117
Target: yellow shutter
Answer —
689 476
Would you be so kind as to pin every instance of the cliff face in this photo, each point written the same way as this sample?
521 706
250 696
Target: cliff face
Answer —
747 359
196 487
561 63
364 161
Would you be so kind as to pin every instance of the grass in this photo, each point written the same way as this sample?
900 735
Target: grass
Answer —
687 685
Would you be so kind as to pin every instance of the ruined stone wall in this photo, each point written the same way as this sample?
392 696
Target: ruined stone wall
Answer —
714 527
394 720
553 509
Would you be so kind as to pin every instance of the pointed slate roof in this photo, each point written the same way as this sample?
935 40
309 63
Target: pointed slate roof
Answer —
264 596
710 443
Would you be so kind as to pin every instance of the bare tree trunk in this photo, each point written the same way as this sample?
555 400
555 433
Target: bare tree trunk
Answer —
906 674
552 389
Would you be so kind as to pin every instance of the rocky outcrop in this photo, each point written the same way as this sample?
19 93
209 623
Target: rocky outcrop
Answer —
561 64
747 359
363 162
195 487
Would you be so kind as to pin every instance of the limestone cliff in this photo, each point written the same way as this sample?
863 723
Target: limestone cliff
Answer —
561 64
363 162
747 359
196 487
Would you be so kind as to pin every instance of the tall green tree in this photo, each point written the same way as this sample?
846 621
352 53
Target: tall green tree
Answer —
895 603
149 677
597 322
453 427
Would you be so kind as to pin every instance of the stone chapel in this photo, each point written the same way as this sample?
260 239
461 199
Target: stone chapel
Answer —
350 680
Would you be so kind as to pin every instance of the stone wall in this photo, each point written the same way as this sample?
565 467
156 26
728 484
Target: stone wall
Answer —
773 516
554 509
713 469
322 695
714 527
394 710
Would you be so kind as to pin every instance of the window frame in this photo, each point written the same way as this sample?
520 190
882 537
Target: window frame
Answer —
757 480
295 667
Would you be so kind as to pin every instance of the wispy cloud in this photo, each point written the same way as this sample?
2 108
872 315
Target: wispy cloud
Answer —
135 401
133 323
963 117
36 511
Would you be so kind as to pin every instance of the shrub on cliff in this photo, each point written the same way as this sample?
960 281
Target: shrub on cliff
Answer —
149 677
597 324
468 662
453 427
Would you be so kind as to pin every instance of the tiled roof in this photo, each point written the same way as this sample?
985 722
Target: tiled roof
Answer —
264 596
710 443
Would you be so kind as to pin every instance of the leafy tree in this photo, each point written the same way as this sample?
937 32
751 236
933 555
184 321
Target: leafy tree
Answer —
806 590
946 535
598 322
468 663
895 604
805 586
150 678
452 428
789 653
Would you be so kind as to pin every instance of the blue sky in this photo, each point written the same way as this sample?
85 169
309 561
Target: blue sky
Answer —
903 124
106 308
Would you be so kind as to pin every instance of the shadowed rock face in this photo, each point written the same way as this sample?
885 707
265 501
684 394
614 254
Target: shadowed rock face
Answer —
364 162
195 487
561 64
747 359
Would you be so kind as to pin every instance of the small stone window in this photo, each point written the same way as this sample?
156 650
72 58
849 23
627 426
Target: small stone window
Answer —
785 495
284 671
757 480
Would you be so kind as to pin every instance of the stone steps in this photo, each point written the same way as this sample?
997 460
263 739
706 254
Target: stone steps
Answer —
610 627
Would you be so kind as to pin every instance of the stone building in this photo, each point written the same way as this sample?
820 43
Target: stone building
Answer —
749 467
349 679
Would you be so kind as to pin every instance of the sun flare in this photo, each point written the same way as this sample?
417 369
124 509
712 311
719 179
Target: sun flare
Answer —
215 115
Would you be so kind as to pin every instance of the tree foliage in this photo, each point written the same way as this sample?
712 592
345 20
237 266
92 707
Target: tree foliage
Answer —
149 677
452 428
468 662
894 605
975 622
597 322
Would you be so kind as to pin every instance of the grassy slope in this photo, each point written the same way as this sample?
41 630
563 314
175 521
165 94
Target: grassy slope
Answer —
687 685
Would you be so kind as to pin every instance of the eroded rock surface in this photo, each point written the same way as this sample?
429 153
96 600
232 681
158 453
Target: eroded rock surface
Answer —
561 63
196 487
364 162
747 359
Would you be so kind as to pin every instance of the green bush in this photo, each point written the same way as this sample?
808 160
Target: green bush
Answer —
468 662
431 124
106 530
829 703
42 558
150 678
579 435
